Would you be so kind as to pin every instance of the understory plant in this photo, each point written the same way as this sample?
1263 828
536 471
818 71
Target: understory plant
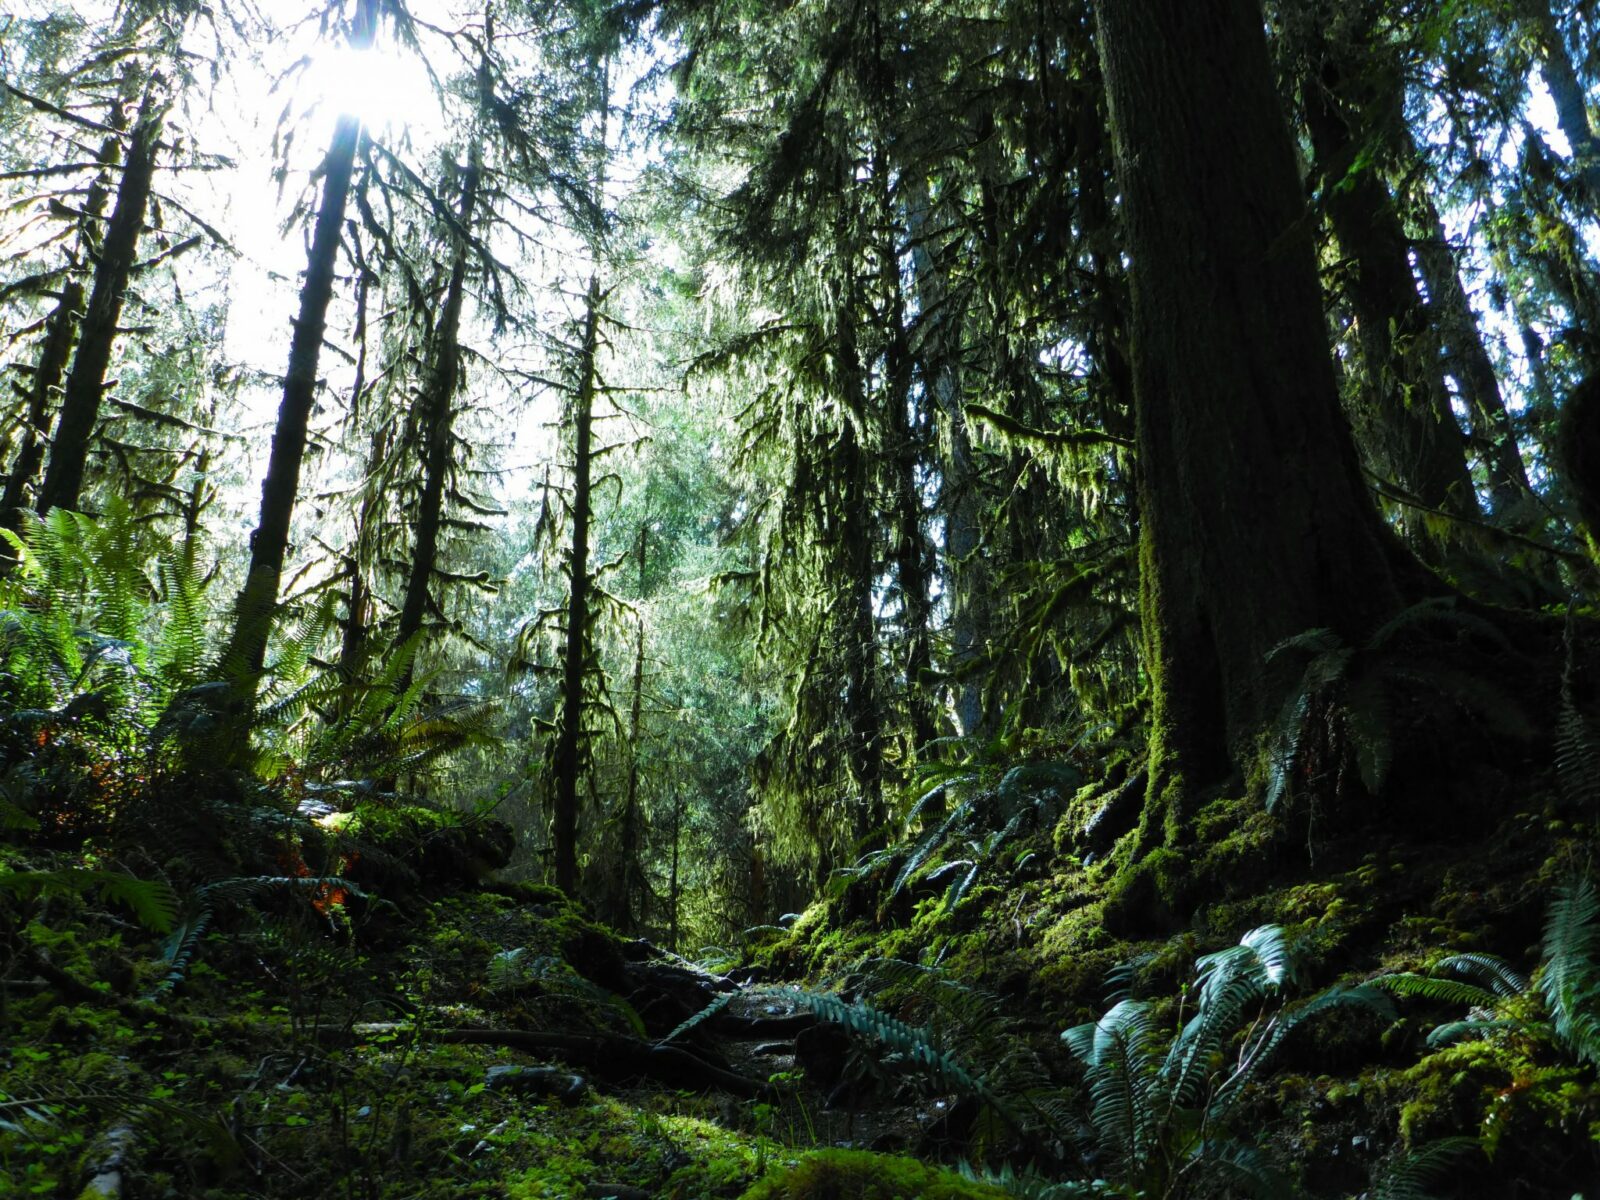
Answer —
1540 1033
1163 1110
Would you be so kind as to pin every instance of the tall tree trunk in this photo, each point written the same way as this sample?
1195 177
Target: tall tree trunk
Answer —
1255 523
269 543
911 555
569 757
438 411
1407 424
678 804
1510 493
861 701
358 605
966 572
47 375
85 385
1567 92
628 847
62 328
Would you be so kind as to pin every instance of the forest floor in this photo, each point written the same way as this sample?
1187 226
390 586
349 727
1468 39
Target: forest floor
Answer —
492 1040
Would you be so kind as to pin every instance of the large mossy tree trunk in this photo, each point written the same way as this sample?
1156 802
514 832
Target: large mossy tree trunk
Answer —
437 404
246 653
1255 523
86 380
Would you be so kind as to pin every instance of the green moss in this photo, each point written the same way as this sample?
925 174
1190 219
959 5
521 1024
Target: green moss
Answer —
859 1175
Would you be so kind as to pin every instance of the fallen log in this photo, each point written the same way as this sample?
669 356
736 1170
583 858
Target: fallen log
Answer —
612 1057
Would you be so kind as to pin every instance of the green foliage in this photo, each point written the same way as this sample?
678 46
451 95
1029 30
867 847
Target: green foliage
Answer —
1415 1174
860 1175
1161 1109
152 901
1359 693
1568 980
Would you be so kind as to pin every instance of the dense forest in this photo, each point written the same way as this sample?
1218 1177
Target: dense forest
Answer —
813 599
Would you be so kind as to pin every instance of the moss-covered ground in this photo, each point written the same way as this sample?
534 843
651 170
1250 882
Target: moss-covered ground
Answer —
295 1047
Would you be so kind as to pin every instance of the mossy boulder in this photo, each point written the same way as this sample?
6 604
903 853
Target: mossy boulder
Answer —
859 1175
439 847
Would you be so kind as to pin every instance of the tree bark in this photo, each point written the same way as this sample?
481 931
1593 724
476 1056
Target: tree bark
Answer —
1510 493
911 556
568 762
47 375
85 385
1405 416
863 714
966 574
628 848
437 403
1567 92
1256 525
269 543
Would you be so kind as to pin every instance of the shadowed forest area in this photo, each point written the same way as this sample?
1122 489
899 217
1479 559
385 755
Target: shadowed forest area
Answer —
805 600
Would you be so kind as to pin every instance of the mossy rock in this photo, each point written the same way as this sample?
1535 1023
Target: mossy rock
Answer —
860 1175
442 847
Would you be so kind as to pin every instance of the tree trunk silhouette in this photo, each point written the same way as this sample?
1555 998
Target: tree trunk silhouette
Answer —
86 380
269 543
1568 94
910 551
569 757
628 843
1405 415
966 572
1255 522
47 375
864 717
1510 493
438 411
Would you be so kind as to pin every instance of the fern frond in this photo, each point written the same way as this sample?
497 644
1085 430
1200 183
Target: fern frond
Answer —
1491 971
152 901
1243 1168
1412 1177
1448 991
1438 610
701 1017
1570 978
1454 1031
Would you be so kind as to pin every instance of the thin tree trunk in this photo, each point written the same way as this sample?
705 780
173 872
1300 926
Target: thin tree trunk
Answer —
1510 493
438 399
966 572
568 764
1408 426
1567 92
911 556
861 702
358 622
85 384
47 376
269 543
672 879
628 850
1255 522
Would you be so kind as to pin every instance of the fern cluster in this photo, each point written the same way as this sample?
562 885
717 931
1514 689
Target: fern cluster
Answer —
1568 980
1162 1109
1344 708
